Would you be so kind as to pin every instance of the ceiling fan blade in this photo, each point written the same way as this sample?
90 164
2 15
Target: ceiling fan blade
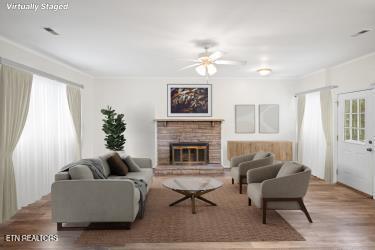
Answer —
230 62
216 55
188 60
190 66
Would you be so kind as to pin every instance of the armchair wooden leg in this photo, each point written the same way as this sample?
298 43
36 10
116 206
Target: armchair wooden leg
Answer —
264 205
303 208
59 226
232 181
249 201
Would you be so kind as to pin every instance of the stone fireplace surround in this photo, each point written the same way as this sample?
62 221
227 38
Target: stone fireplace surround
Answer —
179 130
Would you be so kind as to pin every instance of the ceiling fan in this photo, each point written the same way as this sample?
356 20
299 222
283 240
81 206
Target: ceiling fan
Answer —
206 63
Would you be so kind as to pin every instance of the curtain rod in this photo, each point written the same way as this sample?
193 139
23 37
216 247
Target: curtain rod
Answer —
315 90
38 72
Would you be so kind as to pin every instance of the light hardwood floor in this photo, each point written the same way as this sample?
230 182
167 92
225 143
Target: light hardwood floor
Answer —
343 219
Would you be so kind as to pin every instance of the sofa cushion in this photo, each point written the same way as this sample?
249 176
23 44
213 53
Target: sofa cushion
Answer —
117 166
132 165
80 172
260 155
106 168
61 176
289 168
145 174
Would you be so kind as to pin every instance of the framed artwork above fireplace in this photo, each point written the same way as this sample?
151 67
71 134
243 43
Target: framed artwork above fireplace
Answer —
186 100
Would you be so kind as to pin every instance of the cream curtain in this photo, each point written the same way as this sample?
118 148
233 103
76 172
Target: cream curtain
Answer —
15 90
326 110
74 100
300 114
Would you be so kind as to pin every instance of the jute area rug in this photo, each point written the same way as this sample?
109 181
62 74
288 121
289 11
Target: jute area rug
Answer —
232 220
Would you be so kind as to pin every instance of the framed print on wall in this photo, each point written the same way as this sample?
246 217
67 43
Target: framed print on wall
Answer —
245 118
189 100
268 118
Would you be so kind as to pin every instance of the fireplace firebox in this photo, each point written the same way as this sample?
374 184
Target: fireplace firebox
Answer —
189 153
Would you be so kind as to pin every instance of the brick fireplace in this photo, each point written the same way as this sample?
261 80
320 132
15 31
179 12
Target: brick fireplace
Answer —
189 135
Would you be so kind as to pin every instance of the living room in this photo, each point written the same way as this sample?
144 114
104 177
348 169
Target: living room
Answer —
169 125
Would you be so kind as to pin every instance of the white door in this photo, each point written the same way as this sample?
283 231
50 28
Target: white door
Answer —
356 133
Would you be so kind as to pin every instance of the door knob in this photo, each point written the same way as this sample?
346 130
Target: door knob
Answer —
369 149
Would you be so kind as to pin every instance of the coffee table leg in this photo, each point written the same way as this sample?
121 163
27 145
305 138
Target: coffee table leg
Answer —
193 196
205 200
180 200
193 203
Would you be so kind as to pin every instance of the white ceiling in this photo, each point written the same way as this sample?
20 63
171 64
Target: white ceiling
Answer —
122 38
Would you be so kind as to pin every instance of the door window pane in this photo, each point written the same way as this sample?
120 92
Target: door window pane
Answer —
362 105
347 121
347 134
347 106
354 120
355 134
362 121
354 106
362 135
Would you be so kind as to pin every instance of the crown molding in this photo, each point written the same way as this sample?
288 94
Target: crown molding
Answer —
45 56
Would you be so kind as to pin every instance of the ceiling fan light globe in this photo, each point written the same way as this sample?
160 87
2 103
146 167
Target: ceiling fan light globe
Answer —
211 69
201 70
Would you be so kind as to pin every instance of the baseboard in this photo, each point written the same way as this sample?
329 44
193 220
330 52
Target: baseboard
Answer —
355 190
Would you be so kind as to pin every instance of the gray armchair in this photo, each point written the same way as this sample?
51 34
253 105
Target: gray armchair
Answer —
239 165
280 186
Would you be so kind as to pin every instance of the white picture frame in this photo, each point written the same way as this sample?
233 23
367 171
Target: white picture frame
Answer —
244 118
268 118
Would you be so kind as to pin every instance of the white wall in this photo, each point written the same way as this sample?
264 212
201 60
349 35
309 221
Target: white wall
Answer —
144 99
25 56
353 75
356 74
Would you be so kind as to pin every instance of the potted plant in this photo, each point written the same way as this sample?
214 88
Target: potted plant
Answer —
114 127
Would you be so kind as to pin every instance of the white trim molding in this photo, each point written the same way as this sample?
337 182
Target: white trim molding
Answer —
315 90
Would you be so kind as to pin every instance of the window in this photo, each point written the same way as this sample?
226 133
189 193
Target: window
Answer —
48 141
354 120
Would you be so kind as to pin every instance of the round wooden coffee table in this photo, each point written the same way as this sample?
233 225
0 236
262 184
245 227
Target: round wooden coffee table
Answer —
193 188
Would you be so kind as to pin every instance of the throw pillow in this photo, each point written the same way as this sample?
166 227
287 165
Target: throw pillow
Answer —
133 166
80 172
260 155
289 168
106 168
117 166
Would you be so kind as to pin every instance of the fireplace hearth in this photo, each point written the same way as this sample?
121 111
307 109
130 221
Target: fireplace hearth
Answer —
189 153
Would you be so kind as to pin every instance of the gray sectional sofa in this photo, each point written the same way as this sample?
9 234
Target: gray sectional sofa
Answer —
85 199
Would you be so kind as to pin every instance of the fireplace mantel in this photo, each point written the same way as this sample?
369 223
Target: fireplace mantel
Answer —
188 120
165 121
